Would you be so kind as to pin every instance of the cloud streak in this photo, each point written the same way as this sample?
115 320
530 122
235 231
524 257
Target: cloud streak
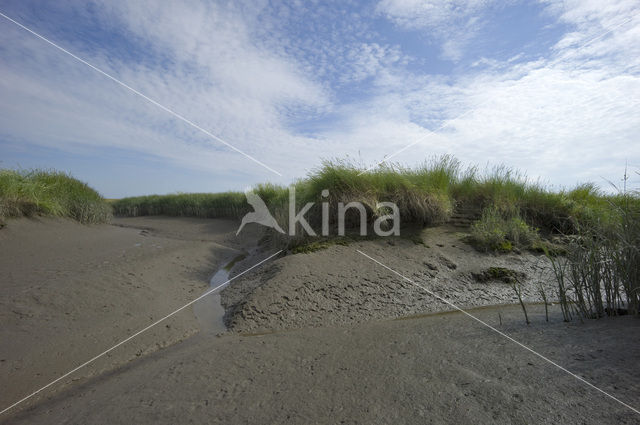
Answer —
293 83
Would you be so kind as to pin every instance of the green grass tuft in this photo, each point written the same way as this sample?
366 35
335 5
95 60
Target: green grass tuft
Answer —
501 232
49 193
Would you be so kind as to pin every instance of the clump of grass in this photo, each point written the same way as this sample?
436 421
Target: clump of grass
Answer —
554 212
495 232
547 247
499 273
600 275
420 194
559 266
309 247
26 193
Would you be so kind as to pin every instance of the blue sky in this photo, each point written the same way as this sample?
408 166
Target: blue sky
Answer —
549 87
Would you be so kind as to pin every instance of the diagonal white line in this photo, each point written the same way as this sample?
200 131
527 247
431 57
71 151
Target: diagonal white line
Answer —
450 121
164 108
137 333
499 332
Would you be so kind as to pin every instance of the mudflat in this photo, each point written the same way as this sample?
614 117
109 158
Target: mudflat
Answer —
324 337
71 291
341 286
434 369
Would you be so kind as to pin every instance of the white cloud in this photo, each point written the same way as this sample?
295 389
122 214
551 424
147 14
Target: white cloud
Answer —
575 114
451 23
368 59
570 116
431 14
214 75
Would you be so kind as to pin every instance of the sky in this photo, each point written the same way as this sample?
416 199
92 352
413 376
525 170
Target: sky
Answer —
551 88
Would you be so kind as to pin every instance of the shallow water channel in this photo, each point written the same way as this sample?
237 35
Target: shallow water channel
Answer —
209 310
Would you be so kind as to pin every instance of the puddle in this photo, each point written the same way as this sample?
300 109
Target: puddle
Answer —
209 310
233 262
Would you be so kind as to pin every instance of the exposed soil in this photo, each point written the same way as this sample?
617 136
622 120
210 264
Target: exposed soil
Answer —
70 291
436 369
311 338
339 286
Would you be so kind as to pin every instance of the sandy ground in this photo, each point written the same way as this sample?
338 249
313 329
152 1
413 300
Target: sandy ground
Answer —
70 291
340 286
312 340
438 369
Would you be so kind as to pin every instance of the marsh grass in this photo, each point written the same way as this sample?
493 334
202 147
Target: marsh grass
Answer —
502 232
600 274
517 287
515 211
27 193
421 196
204 205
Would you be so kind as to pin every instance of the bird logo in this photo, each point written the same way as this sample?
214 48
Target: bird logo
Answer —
260 215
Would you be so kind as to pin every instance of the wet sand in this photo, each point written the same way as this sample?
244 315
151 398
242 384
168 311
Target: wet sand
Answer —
72 291
436 369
